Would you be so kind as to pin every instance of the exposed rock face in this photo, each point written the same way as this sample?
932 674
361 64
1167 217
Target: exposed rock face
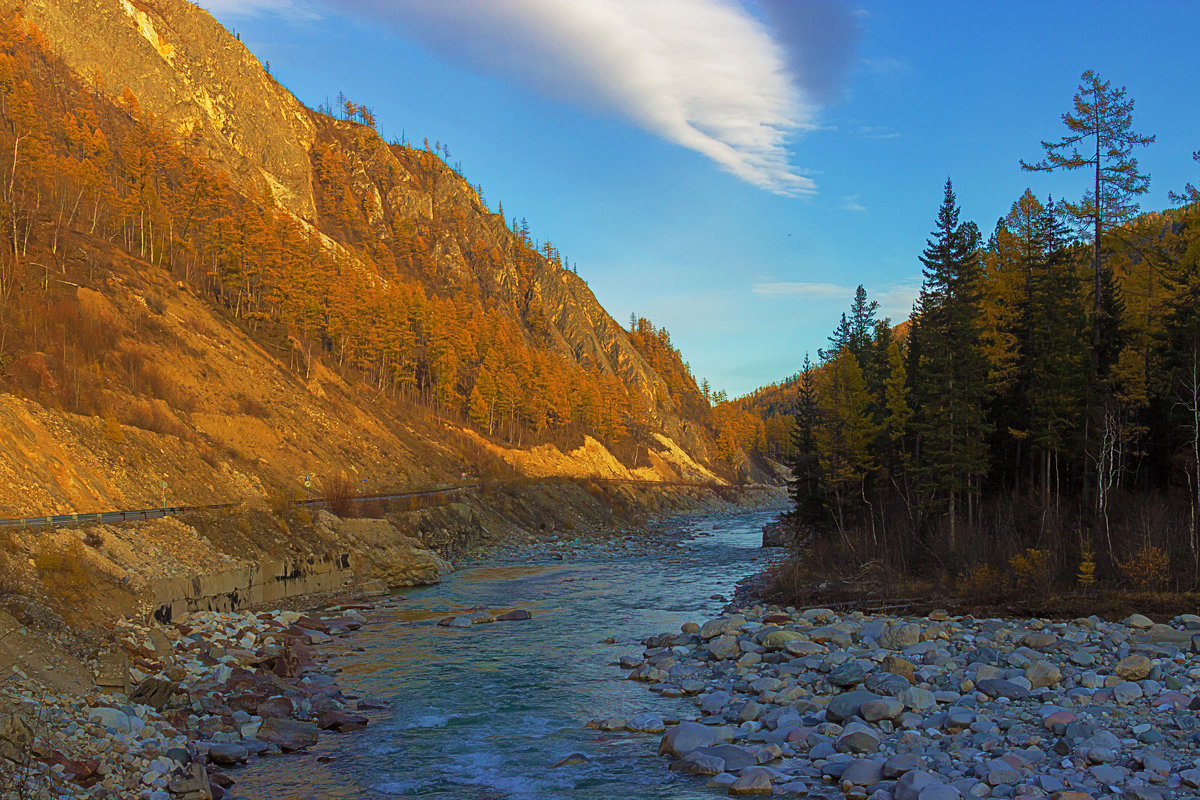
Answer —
187 70
190 72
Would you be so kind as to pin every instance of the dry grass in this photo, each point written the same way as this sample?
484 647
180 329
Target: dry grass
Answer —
62 570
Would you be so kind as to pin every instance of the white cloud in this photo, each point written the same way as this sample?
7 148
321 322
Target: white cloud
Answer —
703 74
851 203
814 290
895 300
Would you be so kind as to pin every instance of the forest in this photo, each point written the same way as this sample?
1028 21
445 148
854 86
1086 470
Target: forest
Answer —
1035 425
88 181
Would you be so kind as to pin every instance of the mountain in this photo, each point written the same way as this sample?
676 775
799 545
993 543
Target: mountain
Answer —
206 282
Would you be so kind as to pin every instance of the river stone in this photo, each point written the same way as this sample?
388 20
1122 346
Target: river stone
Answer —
1041 674
681 739
847 675
110 718
750 710
848 704
883 708
778 640
918 699
718 627
646 723
736 758
570 760
885 683
897 765
998 687
516 615
1139 621
1126 692
713 702
1141 793
863 772
724 648
1039 641
984 655
858 739
275 707
341 721
752 781
939 791
1133 668
899 666
227 753
911 783
288 734
698 763
803 647
899 636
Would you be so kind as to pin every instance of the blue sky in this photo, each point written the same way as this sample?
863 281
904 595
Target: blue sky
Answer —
732 170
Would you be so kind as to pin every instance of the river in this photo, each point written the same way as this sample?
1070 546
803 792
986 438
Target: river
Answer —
483 713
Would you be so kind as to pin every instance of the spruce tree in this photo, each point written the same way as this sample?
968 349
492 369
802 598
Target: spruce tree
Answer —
950 371
805 484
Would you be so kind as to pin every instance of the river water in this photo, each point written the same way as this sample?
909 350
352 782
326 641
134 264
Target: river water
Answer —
483 713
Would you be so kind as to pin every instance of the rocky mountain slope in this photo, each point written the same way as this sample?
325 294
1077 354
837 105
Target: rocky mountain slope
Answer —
244 291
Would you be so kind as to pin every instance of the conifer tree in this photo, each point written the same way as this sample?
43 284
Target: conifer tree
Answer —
805 484
1100 138
949 376
846 433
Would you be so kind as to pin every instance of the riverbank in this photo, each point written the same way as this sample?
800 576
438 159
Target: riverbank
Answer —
820 703
214 670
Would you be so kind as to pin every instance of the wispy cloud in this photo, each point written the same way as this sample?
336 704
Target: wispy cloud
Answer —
895 300
851 203
877 132
813 290
707 75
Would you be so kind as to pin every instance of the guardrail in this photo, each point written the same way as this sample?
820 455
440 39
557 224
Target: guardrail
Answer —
101 517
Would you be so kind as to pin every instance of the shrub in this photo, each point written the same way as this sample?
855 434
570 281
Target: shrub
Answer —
93 537
1032 570
983 583
339 493
1087 567
61 568
112 429
1147 569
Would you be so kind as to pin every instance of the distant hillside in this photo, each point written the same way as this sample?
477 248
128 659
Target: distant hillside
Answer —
204 277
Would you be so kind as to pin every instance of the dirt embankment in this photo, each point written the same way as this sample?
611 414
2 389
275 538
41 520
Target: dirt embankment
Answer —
63 589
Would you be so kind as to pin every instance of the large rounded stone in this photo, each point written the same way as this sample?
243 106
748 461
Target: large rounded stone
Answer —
1042 673
227 753
847 675
699 763
848 704
681 739
724 647
899 636
1134 668
778 640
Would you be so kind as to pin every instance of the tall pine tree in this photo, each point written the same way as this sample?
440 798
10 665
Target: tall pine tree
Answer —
949 375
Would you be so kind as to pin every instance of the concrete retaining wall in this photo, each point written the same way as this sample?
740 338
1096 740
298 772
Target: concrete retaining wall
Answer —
265 582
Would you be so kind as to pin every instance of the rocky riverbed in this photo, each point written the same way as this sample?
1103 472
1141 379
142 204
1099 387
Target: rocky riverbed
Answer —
821 704
205 695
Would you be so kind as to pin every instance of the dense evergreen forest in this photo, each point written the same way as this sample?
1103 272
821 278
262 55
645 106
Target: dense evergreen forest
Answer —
1036 423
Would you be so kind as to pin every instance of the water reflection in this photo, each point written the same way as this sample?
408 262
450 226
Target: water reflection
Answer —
483 712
